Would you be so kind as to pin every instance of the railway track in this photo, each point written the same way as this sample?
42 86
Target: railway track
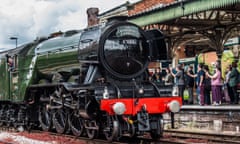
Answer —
37 134
186 136
56 137
123 140
171 136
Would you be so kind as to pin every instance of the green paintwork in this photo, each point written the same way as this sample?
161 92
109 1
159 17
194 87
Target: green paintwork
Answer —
12 83
58 44
178 10
34 61
4 79
57 61
23 80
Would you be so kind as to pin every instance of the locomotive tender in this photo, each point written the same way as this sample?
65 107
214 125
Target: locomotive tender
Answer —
92 81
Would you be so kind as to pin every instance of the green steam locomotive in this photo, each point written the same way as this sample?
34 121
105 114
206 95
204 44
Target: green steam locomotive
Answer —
89 81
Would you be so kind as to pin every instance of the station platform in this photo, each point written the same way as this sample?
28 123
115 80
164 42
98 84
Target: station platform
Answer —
223 107
220 118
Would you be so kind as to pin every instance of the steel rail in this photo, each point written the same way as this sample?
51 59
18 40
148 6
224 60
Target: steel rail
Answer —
215 137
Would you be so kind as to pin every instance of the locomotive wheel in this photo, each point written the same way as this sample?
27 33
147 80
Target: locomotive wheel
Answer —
15 125
45 119
132 130
76 124
2 115
111 129
28 126
60 121
1 123
92 132
157 132
10 112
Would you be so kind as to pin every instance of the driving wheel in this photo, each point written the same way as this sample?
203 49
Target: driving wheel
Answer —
76 124
60 121
111 129
45 118
91 129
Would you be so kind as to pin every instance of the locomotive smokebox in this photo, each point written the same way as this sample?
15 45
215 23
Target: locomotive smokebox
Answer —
123 49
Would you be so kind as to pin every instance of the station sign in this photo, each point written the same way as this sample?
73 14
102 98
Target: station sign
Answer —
232 41
186 60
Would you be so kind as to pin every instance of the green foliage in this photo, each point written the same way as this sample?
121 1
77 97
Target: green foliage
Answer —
227 59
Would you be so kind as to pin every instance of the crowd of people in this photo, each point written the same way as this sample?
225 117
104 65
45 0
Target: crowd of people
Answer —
211 88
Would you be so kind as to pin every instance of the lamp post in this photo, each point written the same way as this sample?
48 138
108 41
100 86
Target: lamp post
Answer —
14 38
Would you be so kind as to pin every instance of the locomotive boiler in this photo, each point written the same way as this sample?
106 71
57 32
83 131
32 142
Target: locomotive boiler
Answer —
91 81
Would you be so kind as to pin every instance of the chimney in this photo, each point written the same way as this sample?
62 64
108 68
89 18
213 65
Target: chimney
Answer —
92 14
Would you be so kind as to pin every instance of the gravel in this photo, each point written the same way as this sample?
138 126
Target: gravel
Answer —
15 138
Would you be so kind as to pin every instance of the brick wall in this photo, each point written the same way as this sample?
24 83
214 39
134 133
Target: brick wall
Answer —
147 4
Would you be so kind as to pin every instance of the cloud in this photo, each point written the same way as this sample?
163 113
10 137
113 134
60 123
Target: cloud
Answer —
28 19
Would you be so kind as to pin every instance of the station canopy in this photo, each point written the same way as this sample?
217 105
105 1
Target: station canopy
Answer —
194 22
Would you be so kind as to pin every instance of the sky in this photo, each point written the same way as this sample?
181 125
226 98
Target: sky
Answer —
29 19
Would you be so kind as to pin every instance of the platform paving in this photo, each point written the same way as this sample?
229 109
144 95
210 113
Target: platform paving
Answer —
218 119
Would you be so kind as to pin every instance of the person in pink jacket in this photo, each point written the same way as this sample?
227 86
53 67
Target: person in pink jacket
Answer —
216 82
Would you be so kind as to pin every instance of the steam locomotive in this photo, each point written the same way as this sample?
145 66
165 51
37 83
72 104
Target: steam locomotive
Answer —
91 81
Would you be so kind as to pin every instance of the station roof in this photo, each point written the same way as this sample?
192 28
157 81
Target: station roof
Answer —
178 9
194 22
